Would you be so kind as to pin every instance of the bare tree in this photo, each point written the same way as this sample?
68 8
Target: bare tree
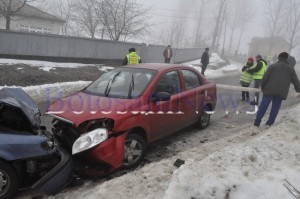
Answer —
86 17
65 9
221 7
175 33
293 24
199 27
233 22
275 15
225 32
10 7
122 19
244 19
223 27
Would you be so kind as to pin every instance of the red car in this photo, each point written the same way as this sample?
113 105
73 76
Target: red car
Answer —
111 121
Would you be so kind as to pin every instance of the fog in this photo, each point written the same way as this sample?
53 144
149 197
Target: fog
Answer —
164 13
192 23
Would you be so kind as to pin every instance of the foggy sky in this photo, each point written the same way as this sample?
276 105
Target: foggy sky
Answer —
171 8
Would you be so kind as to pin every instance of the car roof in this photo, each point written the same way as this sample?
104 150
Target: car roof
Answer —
154 66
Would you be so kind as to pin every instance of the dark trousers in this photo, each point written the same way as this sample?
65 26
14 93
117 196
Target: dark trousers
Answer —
265 102
167 60
245 94
203 68
257 83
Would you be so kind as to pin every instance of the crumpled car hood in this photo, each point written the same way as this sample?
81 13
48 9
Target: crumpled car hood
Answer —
81 107
18 98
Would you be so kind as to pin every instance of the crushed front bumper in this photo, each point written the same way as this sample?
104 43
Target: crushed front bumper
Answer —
58 177
109 153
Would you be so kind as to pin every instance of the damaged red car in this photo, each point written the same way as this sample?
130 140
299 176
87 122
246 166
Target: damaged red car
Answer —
110 122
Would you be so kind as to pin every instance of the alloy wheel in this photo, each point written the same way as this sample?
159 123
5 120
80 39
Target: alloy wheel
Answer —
4 182
204 119
133 152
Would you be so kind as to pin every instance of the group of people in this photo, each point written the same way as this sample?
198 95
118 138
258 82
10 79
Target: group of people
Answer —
274 82
133 58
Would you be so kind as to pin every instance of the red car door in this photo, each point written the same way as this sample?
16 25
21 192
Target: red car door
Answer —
193 95
167 116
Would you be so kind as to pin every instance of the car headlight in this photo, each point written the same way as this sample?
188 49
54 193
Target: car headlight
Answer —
89 140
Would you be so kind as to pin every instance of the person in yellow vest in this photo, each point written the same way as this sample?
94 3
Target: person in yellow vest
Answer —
132 57
258 72
246 78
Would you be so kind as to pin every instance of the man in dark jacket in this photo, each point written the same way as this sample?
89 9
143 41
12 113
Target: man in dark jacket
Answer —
204 60
275 87
291 60
168 54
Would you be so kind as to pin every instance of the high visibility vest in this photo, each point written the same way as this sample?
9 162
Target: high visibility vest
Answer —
261 72
133 58
246 77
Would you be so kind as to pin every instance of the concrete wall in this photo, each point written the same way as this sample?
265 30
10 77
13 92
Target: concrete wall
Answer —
187 54
35 45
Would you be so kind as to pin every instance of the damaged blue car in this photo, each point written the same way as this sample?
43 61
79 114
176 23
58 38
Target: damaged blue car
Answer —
30 156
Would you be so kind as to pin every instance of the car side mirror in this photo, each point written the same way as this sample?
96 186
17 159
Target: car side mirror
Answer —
161 96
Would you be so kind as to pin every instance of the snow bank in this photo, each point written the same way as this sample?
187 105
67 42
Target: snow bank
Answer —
47 66
252 169
52 91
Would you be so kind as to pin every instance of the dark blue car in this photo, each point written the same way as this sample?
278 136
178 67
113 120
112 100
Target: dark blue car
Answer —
30 157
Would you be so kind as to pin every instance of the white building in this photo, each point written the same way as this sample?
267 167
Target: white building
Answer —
31 19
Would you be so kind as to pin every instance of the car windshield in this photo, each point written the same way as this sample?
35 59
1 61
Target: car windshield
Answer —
121 83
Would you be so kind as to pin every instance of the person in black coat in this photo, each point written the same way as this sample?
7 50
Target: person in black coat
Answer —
204 60
291 60
275 87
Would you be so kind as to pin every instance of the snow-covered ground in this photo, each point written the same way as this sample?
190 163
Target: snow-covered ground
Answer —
215 60
47 66
251 163
43 92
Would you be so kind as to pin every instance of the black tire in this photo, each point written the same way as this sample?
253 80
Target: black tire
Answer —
9 181
135 150
204 119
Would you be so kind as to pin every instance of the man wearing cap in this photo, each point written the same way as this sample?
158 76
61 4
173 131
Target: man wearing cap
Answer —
168 54
132 57
275 87
204 60
246 78
258 72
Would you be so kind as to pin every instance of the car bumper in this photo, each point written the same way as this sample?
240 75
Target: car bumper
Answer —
110 152
58 177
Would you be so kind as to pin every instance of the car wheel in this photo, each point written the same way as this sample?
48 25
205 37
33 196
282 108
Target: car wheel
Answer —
135 148
204 119
9 181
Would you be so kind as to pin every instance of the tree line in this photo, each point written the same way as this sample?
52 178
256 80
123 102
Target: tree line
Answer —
219 24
